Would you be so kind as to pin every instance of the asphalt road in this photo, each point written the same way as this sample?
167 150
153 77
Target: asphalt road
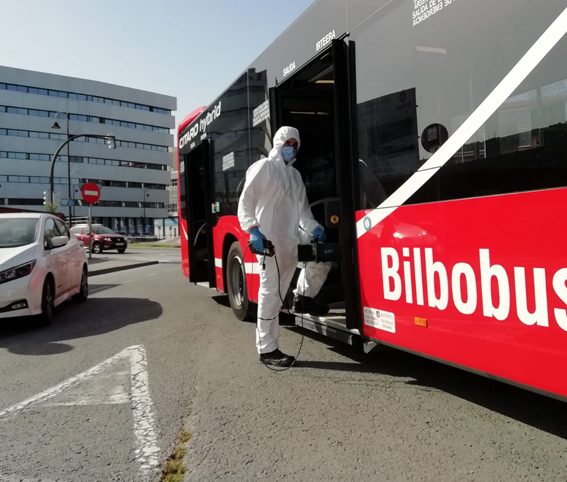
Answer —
103 393
164 255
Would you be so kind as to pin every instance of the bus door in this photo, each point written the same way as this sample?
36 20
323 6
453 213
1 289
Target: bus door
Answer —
199 186
317 101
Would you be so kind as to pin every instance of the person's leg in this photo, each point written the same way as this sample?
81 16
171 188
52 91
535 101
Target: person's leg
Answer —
268 306
272 284
287 267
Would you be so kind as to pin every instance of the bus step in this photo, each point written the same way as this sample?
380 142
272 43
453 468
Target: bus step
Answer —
333 327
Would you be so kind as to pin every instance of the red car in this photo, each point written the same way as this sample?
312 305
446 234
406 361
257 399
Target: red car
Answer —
104 239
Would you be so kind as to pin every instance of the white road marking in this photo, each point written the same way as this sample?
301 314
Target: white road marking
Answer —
153 274
145 430
487 108
57 389
111 387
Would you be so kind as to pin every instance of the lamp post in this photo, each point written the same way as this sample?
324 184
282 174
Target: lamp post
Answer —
144 207
111 141
78 177
57 126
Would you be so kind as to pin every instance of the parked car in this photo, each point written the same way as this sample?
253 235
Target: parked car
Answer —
104 239
128 237
41 265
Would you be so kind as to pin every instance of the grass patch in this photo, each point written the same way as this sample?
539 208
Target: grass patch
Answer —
185 436
174 468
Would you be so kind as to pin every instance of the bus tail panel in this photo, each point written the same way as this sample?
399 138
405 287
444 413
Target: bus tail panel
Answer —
480 283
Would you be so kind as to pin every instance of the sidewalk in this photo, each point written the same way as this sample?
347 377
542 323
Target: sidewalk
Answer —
100 265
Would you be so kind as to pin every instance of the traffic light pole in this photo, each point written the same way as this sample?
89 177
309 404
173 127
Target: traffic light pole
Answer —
112 144
69 177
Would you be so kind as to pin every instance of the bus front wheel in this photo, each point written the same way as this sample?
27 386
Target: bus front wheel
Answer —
236 284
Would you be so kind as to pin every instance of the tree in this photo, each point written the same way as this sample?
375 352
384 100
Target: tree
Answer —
50 207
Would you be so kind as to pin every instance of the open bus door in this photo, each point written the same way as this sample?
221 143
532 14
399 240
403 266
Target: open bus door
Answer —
317 100
199 186
347 168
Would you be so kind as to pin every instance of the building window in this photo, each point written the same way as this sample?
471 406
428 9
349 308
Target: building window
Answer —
51 135
25 202
83 97
82 118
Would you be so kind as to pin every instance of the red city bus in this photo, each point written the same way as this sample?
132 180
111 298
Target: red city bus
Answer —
434 151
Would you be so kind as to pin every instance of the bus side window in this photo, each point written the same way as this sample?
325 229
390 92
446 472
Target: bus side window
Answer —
418 84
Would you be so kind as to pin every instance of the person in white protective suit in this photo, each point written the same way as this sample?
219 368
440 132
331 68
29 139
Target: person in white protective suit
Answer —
273 206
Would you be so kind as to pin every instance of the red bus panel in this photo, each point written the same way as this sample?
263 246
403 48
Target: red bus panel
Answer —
480 283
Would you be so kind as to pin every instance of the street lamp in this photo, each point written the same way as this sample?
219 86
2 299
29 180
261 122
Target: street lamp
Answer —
77 178
110 140
57 126
144 206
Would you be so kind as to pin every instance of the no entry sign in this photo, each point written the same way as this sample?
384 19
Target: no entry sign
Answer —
91 193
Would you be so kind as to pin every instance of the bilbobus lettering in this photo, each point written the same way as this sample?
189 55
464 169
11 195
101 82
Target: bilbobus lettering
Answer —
539 316
465 307
532 307
559 280
407 276
487 272
431 268
391 273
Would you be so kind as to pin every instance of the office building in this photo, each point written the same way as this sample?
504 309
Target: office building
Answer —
134 177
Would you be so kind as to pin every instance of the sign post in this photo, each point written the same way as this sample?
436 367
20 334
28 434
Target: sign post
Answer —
90 232
91 194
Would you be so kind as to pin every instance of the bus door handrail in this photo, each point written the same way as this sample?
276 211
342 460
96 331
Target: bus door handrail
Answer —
198 233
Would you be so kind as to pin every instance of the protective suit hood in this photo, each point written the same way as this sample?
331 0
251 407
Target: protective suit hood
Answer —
283 135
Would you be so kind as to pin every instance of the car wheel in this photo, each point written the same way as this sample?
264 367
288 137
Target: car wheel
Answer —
236 284
83 293
97 248
121 251
47 303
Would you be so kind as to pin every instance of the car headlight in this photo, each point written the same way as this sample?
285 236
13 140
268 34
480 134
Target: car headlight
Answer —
108 239
17 272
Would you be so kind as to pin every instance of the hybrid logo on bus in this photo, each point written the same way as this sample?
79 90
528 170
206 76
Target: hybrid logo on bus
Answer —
440 284
201 126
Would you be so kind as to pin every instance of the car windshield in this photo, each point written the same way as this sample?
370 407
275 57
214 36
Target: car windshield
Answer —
102 230
16 232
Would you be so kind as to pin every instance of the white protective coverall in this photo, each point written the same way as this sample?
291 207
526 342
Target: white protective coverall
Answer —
274 200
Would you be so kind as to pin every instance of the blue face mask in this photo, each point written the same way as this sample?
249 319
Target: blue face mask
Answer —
288 153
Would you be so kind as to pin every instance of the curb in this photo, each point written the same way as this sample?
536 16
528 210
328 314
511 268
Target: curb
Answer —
121 268
133 246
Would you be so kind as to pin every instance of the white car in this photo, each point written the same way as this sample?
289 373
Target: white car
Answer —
41 265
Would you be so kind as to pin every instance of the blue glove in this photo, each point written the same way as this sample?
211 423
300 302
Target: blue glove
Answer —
319 235
257 239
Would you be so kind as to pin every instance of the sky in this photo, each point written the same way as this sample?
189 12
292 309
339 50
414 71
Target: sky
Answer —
191 49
